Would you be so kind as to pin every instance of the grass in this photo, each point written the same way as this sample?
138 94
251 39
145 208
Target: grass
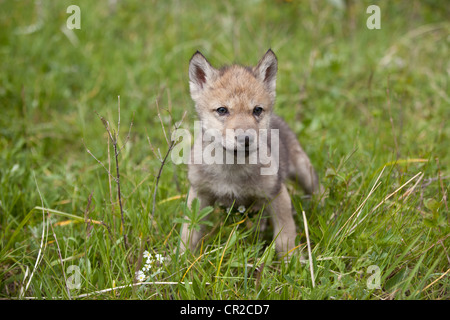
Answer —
370 107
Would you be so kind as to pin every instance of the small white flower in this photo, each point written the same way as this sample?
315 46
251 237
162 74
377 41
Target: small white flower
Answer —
147 254
241 209
140 275
149 261
159 258
148 267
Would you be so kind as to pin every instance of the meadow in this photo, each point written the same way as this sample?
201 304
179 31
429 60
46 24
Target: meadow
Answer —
87 111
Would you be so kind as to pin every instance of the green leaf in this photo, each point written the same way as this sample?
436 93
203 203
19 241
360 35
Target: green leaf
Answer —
429 223
196 288
293 283
232 239
267 255
432 204
181 220
394 282
204 212
207 223
195 206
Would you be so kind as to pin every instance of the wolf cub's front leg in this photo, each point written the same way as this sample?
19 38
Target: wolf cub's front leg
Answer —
190 236
284 230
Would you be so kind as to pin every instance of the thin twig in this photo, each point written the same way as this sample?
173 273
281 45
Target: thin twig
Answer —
118 113
119 194
153 149
114 137
128 135
84 295
429 181
86 217
161 121
89 151
110 187
163 162
106 125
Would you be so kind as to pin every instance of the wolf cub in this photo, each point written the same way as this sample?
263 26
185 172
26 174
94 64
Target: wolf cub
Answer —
253 150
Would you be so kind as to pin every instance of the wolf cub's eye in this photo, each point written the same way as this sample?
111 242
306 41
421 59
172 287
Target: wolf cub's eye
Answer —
222 111
257 111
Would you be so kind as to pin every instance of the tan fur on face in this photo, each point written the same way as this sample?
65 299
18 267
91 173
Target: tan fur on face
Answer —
239 91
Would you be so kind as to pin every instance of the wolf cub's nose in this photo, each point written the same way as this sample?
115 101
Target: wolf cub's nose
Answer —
245 140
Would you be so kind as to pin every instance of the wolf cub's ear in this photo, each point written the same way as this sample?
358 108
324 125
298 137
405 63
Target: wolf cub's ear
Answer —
266 70
200 73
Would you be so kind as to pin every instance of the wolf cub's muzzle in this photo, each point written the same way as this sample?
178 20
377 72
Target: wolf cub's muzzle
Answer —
246 141
239 140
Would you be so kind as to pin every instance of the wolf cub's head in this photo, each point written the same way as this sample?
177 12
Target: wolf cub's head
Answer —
235 100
